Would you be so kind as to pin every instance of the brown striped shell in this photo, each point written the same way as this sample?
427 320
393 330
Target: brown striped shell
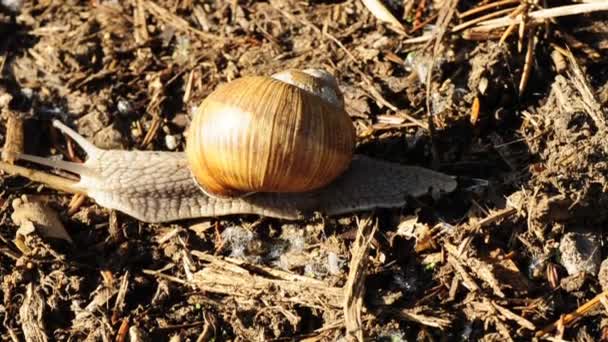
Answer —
284 133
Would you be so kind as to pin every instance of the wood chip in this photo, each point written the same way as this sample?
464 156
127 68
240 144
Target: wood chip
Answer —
30 215
354 290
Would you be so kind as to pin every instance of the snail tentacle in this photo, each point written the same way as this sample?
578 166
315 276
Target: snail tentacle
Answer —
89 171
91 150
80 169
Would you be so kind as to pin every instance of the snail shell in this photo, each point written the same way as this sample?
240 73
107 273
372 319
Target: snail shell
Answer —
284 133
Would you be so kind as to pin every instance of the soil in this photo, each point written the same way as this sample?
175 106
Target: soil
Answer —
485 262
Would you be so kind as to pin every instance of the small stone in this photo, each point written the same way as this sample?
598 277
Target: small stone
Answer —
172 141
580 252
90 124
78 104
109 138
124 107
334 263
181 120
13 5
5 99
603 275
27 92
573 283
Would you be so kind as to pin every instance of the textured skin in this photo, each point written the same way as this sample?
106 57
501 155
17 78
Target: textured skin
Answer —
158 187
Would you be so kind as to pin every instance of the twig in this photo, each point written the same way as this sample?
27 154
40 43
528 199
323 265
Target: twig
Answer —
13 145
423 24
574 315
165 276
429 321
510 315
3 61
52 181
75 203
480 19
493 217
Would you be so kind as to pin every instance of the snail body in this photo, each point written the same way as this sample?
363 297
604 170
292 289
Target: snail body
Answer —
155 186
284 133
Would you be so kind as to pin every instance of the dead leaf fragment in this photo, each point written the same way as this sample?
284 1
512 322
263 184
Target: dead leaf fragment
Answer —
410 228
33 215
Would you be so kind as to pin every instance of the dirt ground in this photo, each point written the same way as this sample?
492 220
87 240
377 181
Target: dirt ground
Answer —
514 253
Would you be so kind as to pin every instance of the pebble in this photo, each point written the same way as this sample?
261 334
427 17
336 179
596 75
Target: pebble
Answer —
573 283
172 141
93 122
124 107
603 275
181 120
580 252
13 5
109 138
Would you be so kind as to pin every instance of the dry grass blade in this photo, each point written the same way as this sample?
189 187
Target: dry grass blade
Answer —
487 6
377 8
492 218
592 106
152 132
354 289
119 305
139 18
472 22
540 15
529 61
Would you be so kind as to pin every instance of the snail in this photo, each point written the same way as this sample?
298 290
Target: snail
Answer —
297 179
